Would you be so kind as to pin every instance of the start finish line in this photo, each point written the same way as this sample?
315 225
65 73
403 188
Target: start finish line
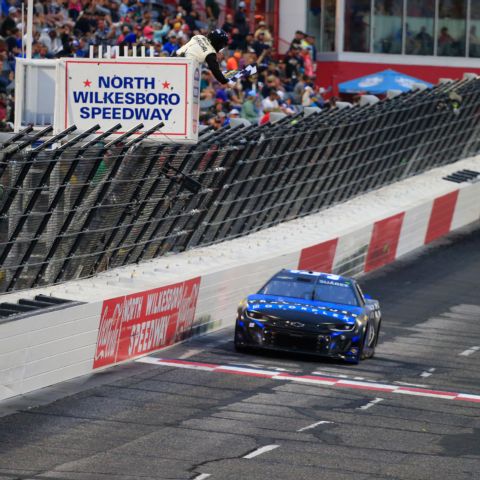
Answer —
130 91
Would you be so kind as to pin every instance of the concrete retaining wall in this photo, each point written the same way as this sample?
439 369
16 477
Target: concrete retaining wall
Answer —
199 290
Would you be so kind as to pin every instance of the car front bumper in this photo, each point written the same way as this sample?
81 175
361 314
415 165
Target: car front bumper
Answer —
342 345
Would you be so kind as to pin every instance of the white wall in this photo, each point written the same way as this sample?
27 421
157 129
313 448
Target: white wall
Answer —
53 347
45 349
293 17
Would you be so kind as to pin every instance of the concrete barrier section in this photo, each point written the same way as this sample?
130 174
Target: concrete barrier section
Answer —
143 308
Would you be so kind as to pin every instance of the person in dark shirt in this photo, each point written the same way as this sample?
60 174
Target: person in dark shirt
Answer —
10 22
259 45
228 26
12 40
213 12
237 42
294 63
83 24
186 5
192 20
297 39
240 19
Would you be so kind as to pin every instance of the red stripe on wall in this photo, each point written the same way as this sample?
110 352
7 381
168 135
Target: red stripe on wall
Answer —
441 216
384 242
319 257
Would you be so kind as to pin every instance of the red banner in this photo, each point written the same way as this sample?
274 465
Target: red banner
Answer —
136 324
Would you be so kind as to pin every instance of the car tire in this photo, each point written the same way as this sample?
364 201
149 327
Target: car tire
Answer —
237 345
368 342
378 332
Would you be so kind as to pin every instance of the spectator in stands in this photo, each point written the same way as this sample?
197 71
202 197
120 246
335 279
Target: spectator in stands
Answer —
445 43
307 96
171 46
474 42
233 113
237 41
186 5
297 40
332 103
249 109
213 12
423 43
294 63
240 19
233 62
356 99
270 103
259 45
307 61
10 22
310 42
229 25
71 27
265 32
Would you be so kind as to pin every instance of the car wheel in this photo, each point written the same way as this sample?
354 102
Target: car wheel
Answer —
378 332
236 341
369 341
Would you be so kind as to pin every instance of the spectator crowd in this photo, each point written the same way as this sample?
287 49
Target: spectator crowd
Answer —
67 28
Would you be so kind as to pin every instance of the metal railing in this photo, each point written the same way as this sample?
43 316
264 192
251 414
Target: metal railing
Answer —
72 206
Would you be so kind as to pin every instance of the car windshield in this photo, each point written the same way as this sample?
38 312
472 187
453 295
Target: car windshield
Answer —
335 292
318 289
289 287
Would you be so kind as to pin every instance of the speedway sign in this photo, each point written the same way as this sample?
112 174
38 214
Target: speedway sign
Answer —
143 322
129 91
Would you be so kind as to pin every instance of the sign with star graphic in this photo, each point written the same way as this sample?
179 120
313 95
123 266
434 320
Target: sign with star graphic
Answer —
129 91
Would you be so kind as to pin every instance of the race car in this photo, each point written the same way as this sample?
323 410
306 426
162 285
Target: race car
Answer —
311 313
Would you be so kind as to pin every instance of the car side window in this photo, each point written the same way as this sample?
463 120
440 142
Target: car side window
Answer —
360 293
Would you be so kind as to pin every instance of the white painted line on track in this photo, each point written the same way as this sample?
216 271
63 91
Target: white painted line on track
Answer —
202 476
259 451
313 425
249 370
427 373
191 353
418 385
421 391
370 404
175 363
336 375
468 352
427 393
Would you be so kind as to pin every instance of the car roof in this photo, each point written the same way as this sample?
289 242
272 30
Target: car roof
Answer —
311 273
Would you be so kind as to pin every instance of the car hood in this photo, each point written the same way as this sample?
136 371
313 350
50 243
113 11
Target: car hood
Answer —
307 311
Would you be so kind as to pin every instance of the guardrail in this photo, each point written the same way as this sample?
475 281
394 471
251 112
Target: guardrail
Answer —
71 210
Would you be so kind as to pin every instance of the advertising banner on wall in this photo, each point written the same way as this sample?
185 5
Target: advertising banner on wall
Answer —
129 91
143 322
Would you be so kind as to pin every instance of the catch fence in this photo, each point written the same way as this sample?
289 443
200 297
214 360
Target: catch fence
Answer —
72 206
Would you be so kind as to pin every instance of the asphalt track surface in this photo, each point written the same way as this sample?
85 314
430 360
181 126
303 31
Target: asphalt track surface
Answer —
154 421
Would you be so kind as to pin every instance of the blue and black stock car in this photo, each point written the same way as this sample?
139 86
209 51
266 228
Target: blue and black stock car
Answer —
310 312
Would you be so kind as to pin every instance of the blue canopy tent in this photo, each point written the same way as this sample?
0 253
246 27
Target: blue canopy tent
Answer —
379 83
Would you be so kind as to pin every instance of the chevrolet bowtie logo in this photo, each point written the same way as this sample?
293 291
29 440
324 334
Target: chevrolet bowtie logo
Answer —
297 324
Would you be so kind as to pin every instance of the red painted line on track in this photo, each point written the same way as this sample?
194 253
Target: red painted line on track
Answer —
321 381
423 390
193 364
243 372
365 387
466 399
